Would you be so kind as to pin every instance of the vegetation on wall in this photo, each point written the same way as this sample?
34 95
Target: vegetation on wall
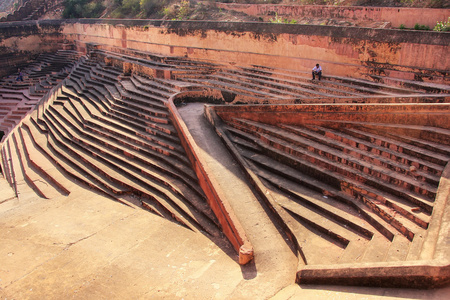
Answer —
442 26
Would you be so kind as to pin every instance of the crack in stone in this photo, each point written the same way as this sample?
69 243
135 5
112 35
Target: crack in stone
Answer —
6 200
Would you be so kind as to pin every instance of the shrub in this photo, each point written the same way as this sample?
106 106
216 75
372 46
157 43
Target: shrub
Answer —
278 19
184 10
442 26
169 12
402 26
421 27
177 11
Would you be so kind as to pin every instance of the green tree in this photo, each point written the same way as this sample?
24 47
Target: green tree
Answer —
82 9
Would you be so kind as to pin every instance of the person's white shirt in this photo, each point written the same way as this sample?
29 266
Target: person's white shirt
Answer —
317 69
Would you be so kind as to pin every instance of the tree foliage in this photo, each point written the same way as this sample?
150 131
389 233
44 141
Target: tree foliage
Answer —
83 9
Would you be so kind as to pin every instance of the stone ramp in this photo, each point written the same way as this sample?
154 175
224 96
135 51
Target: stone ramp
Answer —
274 260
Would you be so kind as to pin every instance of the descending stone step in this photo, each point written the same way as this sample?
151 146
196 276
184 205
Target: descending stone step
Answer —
44 165
140 139
73 163
41 142
362 152
118 173
151 87
289 87
349 186
163 163
21 183
424 150
424 167
38 183
141 151
341 163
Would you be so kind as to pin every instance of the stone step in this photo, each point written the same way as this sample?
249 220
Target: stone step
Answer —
315 201
115 109
436 138
43 164
231 95
299 87
8 165
418 217
129 88
147 133
61 145
238 88
38 183
335 160
355 142
168 85
348 186
99 71
137 148
363 151
253 85
293 194
46 145
20 182
346 82
86 97
425 150
152 88
354 243
117 172
327 194
115 72
414 85
129 112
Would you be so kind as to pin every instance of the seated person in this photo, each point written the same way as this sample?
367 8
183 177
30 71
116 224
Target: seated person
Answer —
317 70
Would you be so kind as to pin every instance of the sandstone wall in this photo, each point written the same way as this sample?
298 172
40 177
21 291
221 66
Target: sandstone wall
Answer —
395 15
342 51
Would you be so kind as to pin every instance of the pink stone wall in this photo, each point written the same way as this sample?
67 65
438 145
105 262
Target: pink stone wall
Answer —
395 15
346 51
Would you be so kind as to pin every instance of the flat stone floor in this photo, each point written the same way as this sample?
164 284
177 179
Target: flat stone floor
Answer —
90 247
87 246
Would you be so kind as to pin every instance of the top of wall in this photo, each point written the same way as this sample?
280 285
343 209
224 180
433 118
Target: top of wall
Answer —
268 30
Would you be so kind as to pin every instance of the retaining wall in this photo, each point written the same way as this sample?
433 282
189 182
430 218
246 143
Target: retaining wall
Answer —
342 51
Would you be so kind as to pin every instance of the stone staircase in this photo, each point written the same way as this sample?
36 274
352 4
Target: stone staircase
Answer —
263 85
117 138
353 187
18 98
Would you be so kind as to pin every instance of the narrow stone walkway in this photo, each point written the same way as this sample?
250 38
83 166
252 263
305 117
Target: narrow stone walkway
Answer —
274 265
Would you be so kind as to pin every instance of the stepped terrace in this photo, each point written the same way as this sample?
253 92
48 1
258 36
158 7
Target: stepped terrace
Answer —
340 181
